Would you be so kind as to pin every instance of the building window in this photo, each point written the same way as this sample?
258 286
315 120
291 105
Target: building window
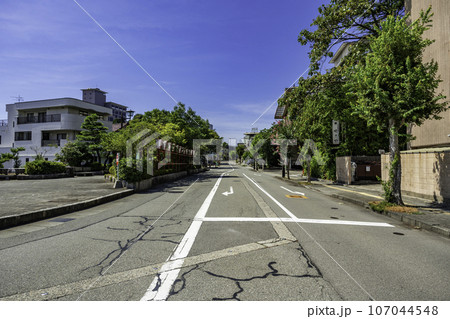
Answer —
45 136
84 113
27 160
22 136
0 139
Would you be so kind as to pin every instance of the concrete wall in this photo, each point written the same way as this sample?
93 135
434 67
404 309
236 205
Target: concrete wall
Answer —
434 133
344 169
424 173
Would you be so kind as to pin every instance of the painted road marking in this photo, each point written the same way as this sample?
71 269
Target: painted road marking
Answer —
55 292
347 190
312 238
228 193
162 284
293 192
271 197
296 196
293 220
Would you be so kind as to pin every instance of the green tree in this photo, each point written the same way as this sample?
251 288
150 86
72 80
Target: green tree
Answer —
240 150
394 87
13 155
92 134
267 151
346 21
285 130
74 153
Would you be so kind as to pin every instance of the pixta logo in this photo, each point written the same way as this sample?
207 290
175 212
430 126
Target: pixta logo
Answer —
146 143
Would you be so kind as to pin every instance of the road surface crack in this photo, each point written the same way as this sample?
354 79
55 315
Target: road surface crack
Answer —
274 272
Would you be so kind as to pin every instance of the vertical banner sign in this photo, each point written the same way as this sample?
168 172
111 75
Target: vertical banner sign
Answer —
117 165
336 132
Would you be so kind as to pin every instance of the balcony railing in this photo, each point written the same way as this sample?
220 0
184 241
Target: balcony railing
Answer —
51 143
39 119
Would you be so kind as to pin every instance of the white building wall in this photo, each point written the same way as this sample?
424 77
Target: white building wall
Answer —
70 124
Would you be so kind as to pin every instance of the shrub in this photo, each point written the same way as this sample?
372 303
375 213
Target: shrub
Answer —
132 174
112 170
96 166
42 167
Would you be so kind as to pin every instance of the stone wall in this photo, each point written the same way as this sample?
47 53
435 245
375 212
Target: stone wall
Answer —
425 173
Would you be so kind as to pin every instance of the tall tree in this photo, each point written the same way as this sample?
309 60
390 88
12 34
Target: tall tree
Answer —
394 87
93 131
346 21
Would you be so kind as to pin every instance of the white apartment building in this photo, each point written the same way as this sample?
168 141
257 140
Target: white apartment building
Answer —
44 126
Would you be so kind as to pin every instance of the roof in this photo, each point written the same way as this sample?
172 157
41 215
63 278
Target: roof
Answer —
280 112
61 102
339 52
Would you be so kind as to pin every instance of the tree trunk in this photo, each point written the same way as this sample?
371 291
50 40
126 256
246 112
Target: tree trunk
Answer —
288 169
283 171
395 173
308 171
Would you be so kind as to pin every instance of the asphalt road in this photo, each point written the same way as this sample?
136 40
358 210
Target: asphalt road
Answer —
226 234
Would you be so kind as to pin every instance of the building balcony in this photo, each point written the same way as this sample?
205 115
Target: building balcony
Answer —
39 119
50 143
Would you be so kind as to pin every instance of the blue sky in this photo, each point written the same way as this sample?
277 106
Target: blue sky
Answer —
228 60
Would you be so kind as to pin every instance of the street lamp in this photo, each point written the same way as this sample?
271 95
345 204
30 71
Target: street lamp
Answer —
130 114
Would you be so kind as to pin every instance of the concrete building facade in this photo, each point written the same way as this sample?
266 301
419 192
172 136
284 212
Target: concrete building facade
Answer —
435 133
44 126
426 165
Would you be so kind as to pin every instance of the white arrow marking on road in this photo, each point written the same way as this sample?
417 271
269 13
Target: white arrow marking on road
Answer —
228 193
292 191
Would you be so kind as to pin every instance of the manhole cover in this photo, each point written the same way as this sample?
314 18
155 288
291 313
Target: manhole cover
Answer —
61 220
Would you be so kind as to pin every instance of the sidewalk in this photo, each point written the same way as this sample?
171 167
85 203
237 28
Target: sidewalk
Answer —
24 201
431 216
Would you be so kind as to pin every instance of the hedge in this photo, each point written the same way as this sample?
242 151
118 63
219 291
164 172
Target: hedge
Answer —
41 167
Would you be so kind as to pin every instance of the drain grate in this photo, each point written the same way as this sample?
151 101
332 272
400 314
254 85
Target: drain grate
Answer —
61 220
399 234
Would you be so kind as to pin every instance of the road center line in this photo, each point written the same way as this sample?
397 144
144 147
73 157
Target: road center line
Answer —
162 284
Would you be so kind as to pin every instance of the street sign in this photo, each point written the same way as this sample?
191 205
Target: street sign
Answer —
336 127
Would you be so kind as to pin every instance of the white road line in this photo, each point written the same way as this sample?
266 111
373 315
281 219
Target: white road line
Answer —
135 241
162 284
292 191
312 238
293 220
272 198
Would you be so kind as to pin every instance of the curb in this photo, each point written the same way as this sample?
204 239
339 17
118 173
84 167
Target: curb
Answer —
17 220
405 219
34 216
